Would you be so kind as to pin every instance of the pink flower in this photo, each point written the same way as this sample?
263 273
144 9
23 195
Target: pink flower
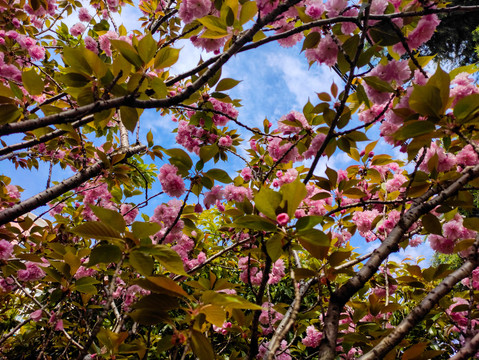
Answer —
237 193
289 41
293 117
315 146
32 272
314 8
282 149
208 44
325 53
441 244
225 141
130 215
364 219
313 337
36 315
467 156
282 219
445 161
395 183
277 272
91 44
6 250
77 29
37 52
334 7
84 15
193 9
171 183
246 174
84 272
212 196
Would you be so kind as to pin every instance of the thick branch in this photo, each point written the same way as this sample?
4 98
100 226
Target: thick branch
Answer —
48 195
468 350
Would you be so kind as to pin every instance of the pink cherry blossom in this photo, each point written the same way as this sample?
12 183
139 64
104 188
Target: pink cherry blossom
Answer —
225 141
282 219
194 9
216 193
6 250
171 182
237 193
325 53
246 174
84 15
313 337
77 29
32 273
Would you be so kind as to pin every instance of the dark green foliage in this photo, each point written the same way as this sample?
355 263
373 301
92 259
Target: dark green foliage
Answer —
454 40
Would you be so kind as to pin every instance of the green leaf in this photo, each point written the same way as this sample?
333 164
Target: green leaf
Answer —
208 151
169 258
166 57
9 113
201 346
214 24
97 230
293 194
142 262
214 314
86 285
384 34
426 100
248 11
311 41
129 117
315 241
162 285
432 224
413 129
104 254
308 222
441 80
179 155
147 48
472 223
110 217
467 108
226 84
378 84
219 175
153 309
274 246
267 201
73 79
254 222
32 82
159 87
128 52
75 58
143 230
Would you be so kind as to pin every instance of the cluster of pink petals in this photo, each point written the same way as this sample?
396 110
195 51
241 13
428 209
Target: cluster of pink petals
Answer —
281 354
32 272
289 129
165 215
445 161
282 149
269 317
422 33
335 7
316 144
313 337
395 183
225 141
314 8
77 29
464 85
372 114
283 26
285 178
128 215
325 53
467 156
84 272
95 194
223 330
194 9
237 193
6 250
192 138
246 174
255 275
207 44
84 15
266 6
452 232
211 197
171 182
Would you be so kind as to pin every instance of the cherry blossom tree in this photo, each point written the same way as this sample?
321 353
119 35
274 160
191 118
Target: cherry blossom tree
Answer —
145 250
